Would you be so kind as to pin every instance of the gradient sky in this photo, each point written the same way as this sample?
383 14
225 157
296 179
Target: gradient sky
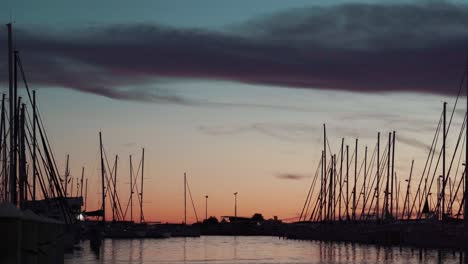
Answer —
235 92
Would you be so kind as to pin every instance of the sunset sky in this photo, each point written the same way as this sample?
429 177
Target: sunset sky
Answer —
235 93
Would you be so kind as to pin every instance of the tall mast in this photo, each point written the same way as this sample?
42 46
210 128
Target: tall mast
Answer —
389 148
103 188
131 189
330 192
364 185
393 175
322 177
11 112
465 195
3 150
86 194
341 180
185 198
347 182
66 176
142 174
15 124
81 185
114 207
443 163
406 203
355 179
334 186
34 155
206 207
324 186
22 160
378 177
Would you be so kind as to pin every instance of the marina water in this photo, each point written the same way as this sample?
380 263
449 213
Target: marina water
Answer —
255 249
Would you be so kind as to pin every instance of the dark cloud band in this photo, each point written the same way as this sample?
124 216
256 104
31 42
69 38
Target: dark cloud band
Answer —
352 47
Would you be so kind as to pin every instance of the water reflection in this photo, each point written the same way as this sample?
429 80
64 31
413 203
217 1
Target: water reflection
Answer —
217 249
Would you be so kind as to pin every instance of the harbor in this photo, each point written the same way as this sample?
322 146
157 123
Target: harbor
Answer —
305 134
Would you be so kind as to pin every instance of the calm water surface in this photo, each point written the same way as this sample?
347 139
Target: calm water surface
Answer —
223 249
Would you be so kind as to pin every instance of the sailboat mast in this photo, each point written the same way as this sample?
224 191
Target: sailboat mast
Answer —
34 155
465 195
364 184
334 187
103 188
341 180
324 186
22 158
142 174
355 180
81 185
131 189
86 194
443 164
185 198
407 202
3 151
15 125
347 182
114 182
378 177
11 112
66 176
330 191
393 175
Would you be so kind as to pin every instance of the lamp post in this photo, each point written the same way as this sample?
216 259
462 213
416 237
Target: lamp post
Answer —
206 207
235 204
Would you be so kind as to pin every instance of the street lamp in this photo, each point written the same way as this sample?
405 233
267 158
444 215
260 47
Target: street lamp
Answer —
206 207
235 204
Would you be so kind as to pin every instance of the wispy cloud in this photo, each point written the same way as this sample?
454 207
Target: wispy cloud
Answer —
290 132
354 47
290 176
413 142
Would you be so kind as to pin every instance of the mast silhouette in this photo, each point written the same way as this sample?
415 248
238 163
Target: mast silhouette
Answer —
131 189
341 180
142 173
12 115
82 178
103 188
393 176
3 150
355 180
347 182
465 200
444 134
378 177
34 145
67 173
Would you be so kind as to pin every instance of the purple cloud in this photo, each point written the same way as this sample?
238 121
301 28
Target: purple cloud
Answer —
352 47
